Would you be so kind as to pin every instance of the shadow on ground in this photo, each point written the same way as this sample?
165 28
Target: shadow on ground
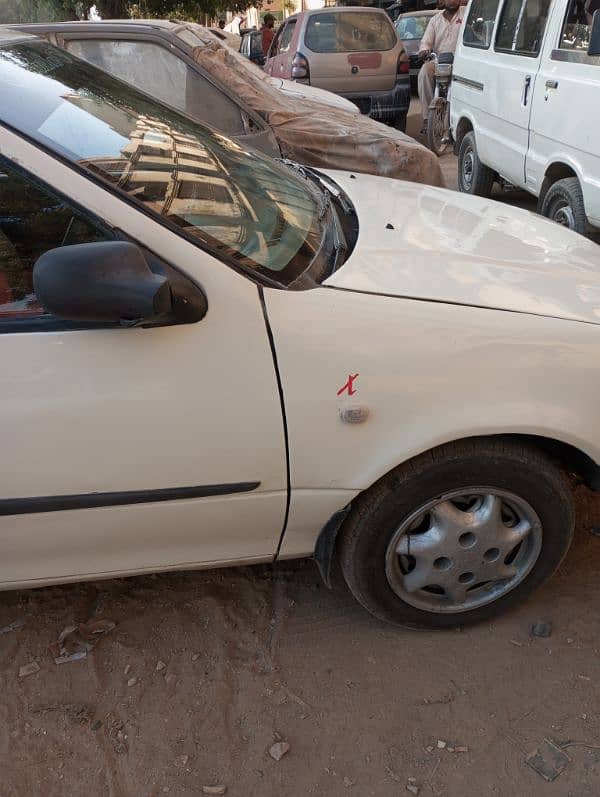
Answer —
256 655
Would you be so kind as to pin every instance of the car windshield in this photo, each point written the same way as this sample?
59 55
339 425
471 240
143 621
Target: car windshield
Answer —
238 203
410 28
349 31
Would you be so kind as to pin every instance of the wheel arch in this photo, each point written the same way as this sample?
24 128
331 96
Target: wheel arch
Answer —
555 171
571 458
464 126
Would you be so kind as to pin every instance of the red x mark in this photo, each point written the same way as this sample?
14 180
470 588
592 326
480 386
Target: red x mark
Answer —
349 385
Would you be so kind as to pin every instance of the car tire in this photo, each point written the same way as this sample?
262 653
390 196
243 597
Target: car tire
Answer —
473 176
530 489
438 128
563 203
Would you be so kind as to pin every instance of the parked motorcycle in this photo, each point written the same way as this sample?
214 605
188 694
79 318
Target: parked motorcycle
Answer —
439 136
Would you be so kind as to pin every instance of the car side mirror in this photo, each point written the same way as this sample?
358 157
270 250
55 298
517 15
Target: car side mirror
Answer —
594 45
105 282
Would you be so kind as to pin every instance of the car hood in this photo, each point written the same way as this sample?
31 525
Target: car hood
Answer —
437 245
292 89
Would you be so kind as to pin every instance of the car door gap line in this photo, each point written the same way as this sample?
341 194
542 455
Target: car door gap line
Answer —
283 417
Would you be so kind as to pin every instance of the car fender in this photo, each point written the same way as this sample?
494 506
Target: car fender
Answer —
371 381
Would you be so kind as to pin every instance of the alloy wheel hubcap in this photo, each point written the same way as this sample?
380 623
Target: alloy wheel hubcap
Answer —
563 215
463 550
467 169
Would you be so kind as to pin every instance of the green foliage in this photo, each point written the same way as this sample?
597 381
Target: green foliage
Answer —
193 10
36 10
58 10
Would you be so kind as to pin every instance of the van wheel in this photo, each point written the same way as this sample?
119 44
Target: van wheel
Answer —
563 204
457 535
473 176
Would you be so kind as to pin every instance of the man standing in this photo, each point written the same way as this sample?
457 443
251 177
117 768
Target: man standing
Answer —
267 32
441 36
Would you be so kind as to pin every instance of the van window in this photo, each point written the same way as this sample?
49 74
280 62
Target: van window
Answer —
575 34
350 32
480 23
522 25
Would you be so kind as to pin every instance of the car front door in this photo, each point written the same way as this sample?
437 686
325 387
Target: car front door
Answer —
127 449
514 66
166 74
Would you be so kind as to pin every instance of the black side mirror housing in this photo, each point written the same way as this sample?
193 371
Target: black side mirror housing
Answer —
105 282
594 45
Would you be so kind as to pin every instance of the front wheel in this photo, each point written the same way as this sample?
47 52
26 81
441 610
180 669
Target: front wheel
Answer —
563 204
473 176
438 127
458 535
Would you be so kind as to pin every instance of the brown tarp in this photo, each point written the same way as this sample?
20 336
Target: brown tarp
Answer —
315 134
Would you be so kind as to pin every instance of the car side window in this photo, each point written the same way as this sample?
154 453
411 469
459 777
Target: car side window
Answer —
256 49
159 72
575 33
286 37
480 23
33 219
521 27
275 43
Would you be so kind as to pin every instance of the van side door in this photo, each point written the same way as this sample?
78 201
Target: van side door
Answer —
513 68
562 127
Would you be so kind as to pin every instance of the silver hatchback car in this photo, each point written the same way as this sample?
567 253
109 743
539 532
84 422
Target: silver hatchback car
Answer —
352 51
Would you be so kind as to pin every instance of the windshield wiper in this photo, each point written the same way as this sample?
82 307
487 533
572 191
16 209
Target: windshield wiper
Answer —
306 172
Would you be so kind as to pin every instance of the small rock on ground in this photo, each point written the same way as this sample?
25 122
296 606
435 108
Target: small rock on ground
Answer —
278 750
541 629
215 790
160 665
29 669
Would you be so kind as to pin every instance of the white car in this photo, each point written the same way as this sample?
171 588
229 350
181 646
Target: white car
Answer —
524 92
210 358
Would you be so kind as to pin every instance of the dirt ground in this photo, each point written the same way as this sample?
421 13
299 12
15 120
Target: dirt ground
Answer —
265 654
204 672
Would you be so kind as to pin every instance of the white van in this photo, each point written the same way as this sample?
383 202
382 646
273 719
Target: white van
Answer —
525 107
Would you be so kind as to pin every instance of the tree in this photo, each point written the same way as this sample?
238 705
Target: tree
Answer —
112 9
35 11
58 10
193 9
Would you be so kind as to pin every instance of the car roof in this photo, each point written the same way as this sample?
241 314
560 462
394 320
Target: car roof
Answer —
152 23
339 10
156 24
422 13
9 35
